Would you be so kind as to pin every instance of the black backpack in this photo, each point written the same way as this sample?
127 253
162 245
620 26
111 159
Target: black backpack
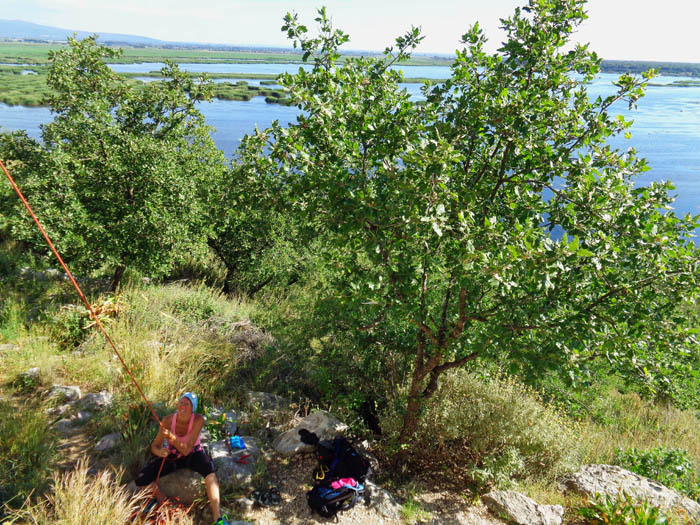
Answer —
327 502
338 459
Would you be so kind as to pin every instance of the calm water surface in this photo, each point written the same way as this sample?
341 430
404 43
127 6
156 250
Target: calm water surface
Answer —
270 69
666 126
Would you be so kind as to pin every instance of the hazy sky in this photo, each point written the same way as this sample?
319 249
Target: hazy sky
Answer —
616 29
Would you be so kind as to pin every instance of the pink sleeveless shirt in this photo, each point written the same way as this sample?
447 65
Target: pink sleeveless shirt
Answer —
184 438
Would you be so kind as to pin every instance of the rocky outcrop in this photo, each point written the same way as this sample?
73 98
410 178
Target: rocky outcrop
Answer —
66 393
95 401
383 502
107 442
613 480
522 510
321 423
250 340
64 426
79 409
266 402
184 484
31 375
230 422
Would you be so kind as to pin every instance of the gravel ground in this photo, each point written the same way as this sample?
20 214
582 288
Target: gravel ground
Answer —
292 478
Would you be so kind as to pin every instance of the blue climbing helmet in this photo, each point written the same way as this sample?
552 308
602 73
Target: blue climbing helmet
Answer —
193 399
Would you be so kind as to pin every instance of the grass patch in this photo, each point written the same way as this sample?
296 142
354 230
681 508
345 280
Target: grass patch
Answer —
412 510
26 454
633 422
37 53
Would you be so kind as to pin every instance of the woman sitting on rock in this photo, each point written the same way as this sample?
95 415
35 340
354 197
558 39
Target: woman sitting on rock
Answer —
183 450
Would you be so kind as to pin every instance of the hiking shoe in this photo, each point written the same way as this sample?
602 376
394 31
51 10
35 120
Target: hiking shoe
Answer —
266 498
223 520
149 506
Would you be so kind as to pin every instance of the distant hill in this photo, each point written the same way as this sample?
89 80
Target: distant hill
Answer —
21 30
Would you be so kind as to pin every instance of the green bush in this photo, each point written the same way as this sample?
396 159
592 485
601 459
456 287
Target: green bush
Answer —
68 326
670 467
499 429
195 304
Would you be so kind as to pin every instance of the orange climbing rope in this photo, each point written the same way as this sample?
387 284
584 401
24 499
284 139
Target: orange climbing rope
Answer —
87 304
77 288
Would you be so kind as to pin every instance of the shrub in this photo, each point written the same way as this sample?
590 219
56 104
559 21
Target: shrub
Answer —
194 303
11 317
499 429
671 467
135 424
68 325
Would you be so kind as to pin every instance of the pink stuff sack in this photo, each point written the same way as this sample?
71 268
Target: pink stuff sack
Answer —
344 482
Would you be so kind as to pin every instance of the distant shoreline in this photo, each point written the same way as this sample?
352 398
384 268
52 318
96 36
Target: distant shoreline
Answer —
37 54
670 69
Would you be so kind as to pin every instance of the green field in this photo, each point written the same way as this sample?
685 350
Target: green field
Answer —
34 53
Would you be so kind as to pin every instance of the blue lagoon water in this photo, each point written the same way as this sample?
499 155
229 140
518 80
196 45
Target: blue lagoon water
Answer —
666 128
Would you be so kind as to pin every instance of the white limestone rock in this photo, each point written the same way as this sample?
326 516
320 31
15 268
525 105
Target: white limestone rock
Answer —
613 480
323 424
522 510
107 442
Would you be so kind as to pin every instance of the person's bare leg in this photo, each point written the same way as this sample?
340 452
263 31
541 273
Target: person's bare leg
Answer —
212 485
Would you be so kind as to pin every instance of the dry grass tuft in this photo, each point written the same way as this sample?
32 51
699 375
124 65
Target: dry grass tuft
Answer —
80 499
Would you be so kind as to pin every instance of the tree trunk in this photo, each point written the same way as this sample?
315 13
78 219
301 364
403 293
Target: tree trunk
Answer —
227 287
417 394
410 419
255 289
117 278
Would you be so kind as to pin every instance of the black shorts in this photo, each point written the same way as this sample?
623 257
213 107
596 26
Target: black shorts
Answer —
198 460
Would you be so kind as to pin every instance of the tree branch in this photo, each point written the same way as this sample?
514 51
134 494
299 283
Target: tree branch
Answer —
374 323
435 373
445 305
427 331
501 170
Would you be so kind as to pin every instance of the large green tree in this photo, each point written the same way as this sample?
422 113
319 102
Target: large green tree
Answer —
491 218
124 176
257 244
